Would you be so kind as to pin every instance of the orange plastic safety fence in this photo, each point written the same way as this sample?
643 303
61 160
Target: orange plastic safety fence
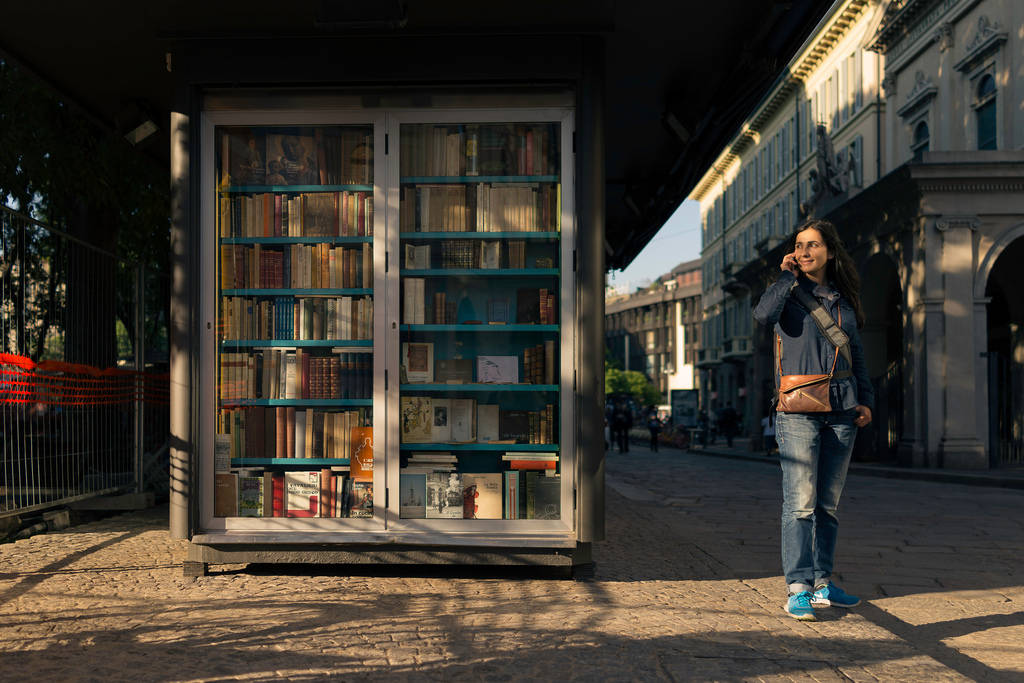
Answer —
57 383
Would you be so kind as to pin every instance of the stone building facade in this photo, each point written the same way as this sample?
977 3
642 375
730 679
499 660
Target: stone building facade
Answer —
915 150
656 331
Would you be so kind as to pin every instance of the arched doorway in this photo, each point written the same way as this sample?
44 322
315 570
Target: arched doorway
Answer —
882 336
1006 356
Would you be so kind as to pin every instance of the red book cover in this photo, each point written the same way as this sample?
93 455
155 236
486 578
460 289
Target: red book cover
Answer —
268 215
278 495
361 213
305 374
532 464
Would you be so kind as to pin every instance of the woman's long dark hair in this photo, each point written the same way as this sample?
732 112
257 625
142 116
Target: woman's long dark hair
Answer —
841 271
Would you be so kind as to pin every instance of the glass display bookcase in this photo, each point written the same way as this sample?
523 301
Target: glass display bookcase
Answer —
295 266
387 327
484 305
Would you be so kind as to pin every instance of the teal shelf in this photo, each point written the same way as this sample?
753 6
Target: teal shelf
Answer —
296 342
300 402
490 272
245 189
333 239
296 292
293 462
524 235
541 447
438 179
479 328
476 386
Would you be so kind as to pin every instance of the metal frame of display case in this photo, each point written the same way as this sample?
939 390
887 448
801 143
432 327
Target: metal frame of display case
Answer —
237 539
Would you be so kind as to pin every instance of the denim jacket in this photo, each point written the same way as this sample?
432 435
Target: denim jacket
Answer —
805 351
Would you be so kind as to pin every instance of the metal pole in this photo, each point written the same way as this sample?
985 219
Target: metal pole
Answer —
140 362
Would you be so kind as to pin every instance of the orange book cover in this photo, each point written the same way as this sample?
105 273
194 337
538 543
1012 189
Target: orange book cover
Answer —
361 459
532 464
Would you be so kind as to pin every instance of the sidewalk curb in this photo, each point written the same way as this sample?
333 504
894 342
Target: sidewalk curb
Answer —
886 472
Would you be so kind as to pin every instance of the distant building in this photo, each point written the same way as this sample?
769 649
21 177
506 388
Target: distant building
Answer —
899 122
656 330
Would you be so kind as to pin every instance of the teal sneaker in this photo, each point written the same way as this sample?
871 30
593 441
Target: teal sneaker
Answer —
831 595
799 606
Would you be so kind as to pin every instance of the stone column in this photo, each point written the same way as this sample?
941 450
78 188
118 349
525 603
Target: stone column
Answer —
941 133
961 447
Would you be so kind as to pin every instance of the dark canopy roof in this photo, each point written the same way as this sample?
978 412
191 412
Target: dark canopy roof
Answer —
705 64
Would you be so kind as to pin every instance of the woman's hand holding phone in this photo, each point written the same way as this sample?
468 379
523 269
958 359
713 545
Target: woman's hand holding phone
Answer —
789 263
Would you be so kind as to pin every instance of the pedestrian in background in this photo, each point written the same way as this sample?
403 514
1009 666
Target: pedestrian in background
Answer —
815 445
654 426
768 433
728 423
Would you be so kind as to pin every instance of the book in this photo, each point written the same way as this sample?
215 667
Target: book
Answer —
222 453
418 362
268 495
497 311
361 459
417 257
416 416
482 495
490 255
453 370
225 494
514 425
441 428
444 495
291 160
413 302
497 369
463 420
250 495
543 496
527 306
301 494
362 499
412 498
487 423
511 495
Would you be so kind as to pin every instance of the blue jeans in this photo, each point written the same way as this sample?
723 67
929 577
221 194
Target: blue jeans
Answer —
814 450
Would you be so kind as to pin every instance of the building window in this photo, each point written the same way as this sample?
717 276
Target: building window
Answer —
985 110
921 139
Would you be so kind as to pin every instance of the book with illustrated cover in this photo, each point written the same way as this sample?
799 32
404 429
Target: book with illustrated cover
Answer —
497 369
250 496
416 416
543 496
222 453
246 158
482 495
490 255
413 496
362 499
291 160
444 495
417 257
441 431
418 362
361 458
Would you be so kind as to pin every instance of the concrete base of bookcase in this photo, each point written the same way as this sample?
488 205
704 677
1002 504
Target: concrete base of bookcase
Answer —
577 562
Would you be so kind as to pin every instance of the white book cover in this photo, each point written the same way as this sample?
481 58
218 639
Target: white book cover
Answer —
441 428
300 433
291 385
497 369
490 255
222 453
484 493
463 420
444 495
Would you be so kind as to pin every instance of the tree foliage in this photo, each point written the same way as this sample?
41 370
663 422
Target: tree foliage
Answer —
630 382
57 165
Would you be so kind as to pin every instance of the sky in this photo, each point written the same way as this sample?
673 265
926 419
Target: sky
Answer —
677 241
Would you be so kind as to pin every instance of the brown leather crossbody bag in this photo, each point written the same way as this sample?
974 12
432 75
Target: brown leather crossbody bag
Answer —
810 393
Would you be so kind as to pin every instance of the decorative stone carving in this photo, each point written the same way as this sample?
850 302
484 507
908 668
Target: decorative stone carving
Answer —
988 39
830 178
923 91
889 85
957 222
944 36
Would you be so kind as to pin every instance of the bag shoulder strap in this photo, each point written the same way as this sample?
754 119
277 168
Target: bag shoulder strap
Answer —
826 324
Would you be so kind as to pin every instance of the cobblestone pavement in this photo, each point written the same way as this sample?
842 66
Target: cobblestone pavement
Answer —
687 587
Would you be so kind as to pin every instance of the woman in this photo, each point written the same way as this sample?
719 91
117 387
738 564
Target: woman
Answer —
815 447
